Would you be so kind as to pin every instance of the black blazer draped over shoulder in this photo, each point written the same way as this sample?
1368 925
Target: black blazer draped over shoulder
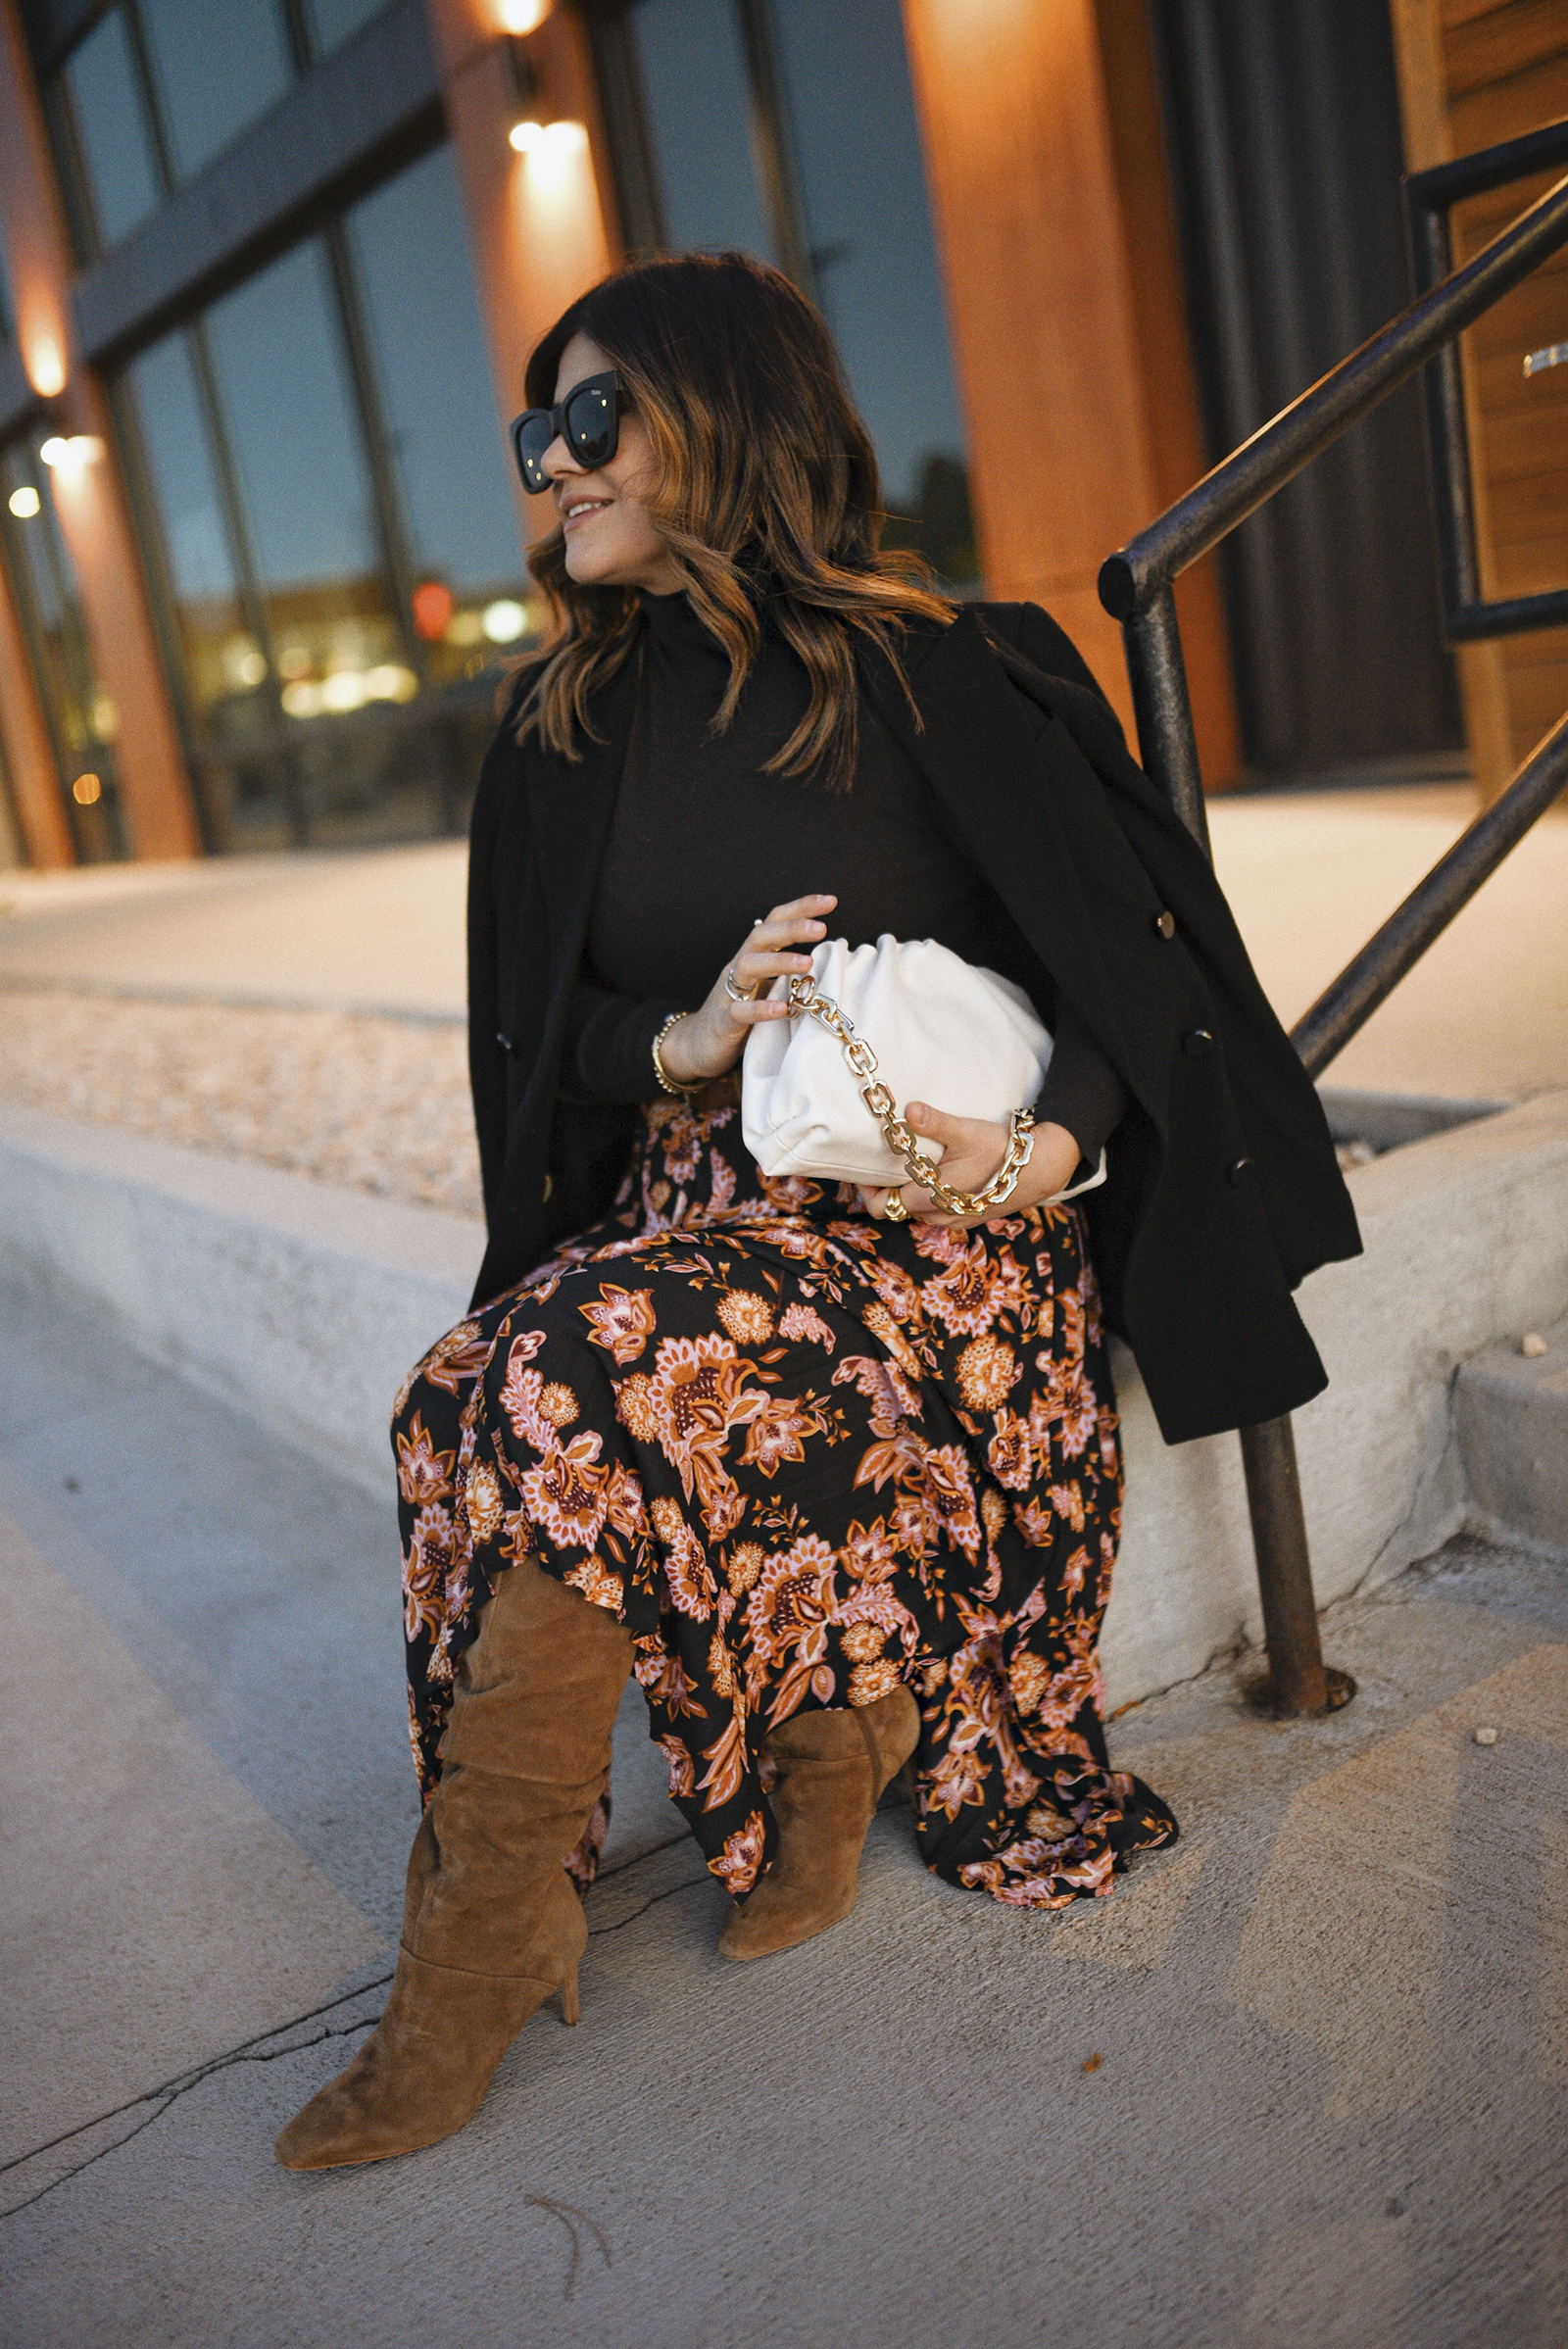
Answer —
1223 1189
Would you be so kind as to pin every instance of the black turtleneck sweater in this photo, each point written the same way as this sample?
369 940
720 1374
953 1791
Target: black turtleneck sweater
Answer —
703 843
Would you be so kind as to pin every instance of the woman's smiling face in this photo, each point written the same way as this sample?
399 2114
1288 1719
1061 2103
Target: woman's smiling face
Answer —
609 534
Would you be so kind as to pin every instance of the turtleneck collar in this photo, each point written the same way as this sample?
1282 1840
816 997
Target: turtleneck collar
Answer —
674 628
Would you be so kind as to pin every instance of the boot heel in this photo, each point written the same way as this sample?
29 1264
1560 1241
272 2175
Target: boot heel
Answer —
568 1996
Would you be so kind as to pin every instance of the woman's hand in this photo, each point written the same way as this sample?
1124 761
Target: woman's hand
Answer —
972 1149
708 1043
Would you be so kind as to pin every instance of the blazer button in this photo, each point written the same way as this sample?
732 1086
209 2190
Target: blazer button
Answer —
1198 1045
1239 1172
1165 924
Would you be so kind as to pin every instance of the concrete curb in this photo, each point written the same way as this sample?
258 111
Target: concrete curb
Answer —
302 1304
304 1307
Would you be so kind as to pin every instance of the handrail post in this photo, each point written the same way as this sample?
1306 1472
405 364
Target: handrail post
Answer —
1167 744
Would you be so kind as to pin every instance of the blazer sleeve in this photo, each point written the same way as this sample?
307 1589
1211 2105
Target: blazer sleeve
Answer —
607 1057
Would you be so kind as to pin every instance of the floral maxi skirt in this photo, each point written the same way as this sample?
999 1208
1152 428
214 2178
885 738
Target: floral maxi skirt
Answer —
802 1456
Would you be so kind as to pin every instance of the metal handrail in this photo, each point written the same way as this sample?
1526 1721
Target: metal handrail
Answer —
1130 578
1136 587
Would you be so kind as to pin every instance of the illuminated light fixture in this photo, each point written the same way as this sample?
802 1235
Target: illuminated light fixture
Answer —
46 367
432 603
523 16
86 791
504 620
70 455
390 681
553 154
24 502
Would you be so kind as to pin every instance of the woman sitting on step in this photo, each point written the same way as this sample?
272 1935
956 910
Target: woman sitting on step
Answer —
835 1472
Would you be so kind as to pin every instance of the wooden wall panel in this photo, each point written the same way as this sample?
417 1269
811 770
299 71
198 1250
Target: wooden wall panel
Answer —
1044 157
1471 73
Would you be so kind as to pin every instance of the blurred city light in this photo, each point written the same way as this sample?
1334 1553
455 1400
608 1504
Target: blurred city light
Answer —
432 603
24 502
523 16
86 791
504 620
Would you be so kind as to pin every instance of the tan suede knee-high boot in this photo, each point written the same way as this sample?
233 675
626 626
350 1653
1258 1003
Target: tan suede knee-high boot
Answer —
832 1766
491 1922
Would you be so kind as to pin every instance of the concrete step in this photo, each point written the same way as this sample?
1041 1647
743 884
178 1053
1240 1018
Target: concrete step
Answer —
1511 1415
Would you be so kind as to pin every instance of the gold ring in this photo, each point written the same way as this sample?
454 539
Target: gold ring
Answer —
894 1209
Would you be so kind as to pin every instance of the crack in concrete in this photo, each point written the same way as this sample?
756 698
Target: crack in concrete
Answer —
259 2051
249 2051
597 1932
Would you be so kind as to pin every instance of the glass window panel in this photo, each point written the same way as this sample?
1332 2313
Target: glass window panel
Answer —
82 718
217 64
410 243
694 80
863 179
111 131
332 20
226 673
297 450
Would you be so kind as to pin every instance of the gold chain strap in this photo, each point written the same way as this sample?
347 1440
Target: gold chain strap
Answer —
900 1135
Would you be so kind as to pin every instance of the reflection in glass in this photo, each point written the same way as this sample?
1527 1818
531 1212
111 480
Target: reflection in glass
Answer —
226 667
864 183
694 79
332 20
218 64
82 718
111 131
471 596
303 473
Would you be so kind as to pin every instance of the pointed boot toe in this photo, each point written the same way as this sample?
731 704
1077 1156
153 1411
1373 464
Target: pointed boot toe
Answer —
832 1766
425 2069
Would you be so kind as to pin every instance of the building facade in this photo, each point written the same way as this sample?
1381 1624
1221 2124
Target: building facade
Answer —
269 272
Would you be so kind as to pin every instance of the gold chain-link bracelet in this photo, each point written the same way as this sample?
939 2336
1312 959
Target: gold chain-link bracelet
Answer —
899 1133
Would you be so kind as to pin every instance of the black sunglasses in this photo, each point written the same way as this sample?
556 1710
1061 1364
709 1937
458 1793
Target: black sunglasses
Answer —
588 420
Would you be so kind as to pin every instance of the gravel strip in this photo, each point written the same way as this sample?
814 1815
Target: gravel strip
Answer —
372 1103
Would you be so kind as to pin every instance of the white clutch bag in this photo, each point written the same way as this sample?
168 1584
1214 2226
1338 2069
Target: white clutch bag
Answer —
874 1029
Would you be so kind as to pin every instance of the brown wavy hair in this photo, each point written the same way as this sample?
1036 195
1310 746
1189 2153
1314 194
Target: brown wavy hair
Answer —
765 495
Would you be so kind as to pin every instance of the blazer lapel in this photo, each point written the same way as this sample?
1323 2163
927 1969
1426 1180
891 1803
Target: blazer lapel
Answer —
973 746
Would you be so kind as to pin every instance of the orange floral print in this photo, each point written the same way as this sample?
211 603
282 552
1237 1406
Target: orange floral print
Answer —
804 1458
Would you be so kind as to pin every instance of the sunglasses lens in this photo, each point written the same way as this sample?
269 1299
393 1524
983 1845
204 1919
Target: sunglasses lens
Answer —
591 424
534 434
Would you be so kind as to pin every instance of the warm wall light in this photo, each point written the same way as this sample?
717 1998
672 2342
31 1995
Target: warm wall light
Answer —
46 367
521 16
553 150
24 502
86 791
70 455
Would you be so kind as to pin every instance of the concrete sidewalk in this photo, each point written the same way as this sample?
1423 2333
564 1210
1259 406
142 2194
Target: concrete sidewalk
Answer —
1298 2085
1309 875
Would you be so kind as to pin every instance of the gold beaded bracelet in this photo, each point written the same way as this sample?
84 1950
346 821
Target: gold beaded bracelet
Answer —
681 1092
